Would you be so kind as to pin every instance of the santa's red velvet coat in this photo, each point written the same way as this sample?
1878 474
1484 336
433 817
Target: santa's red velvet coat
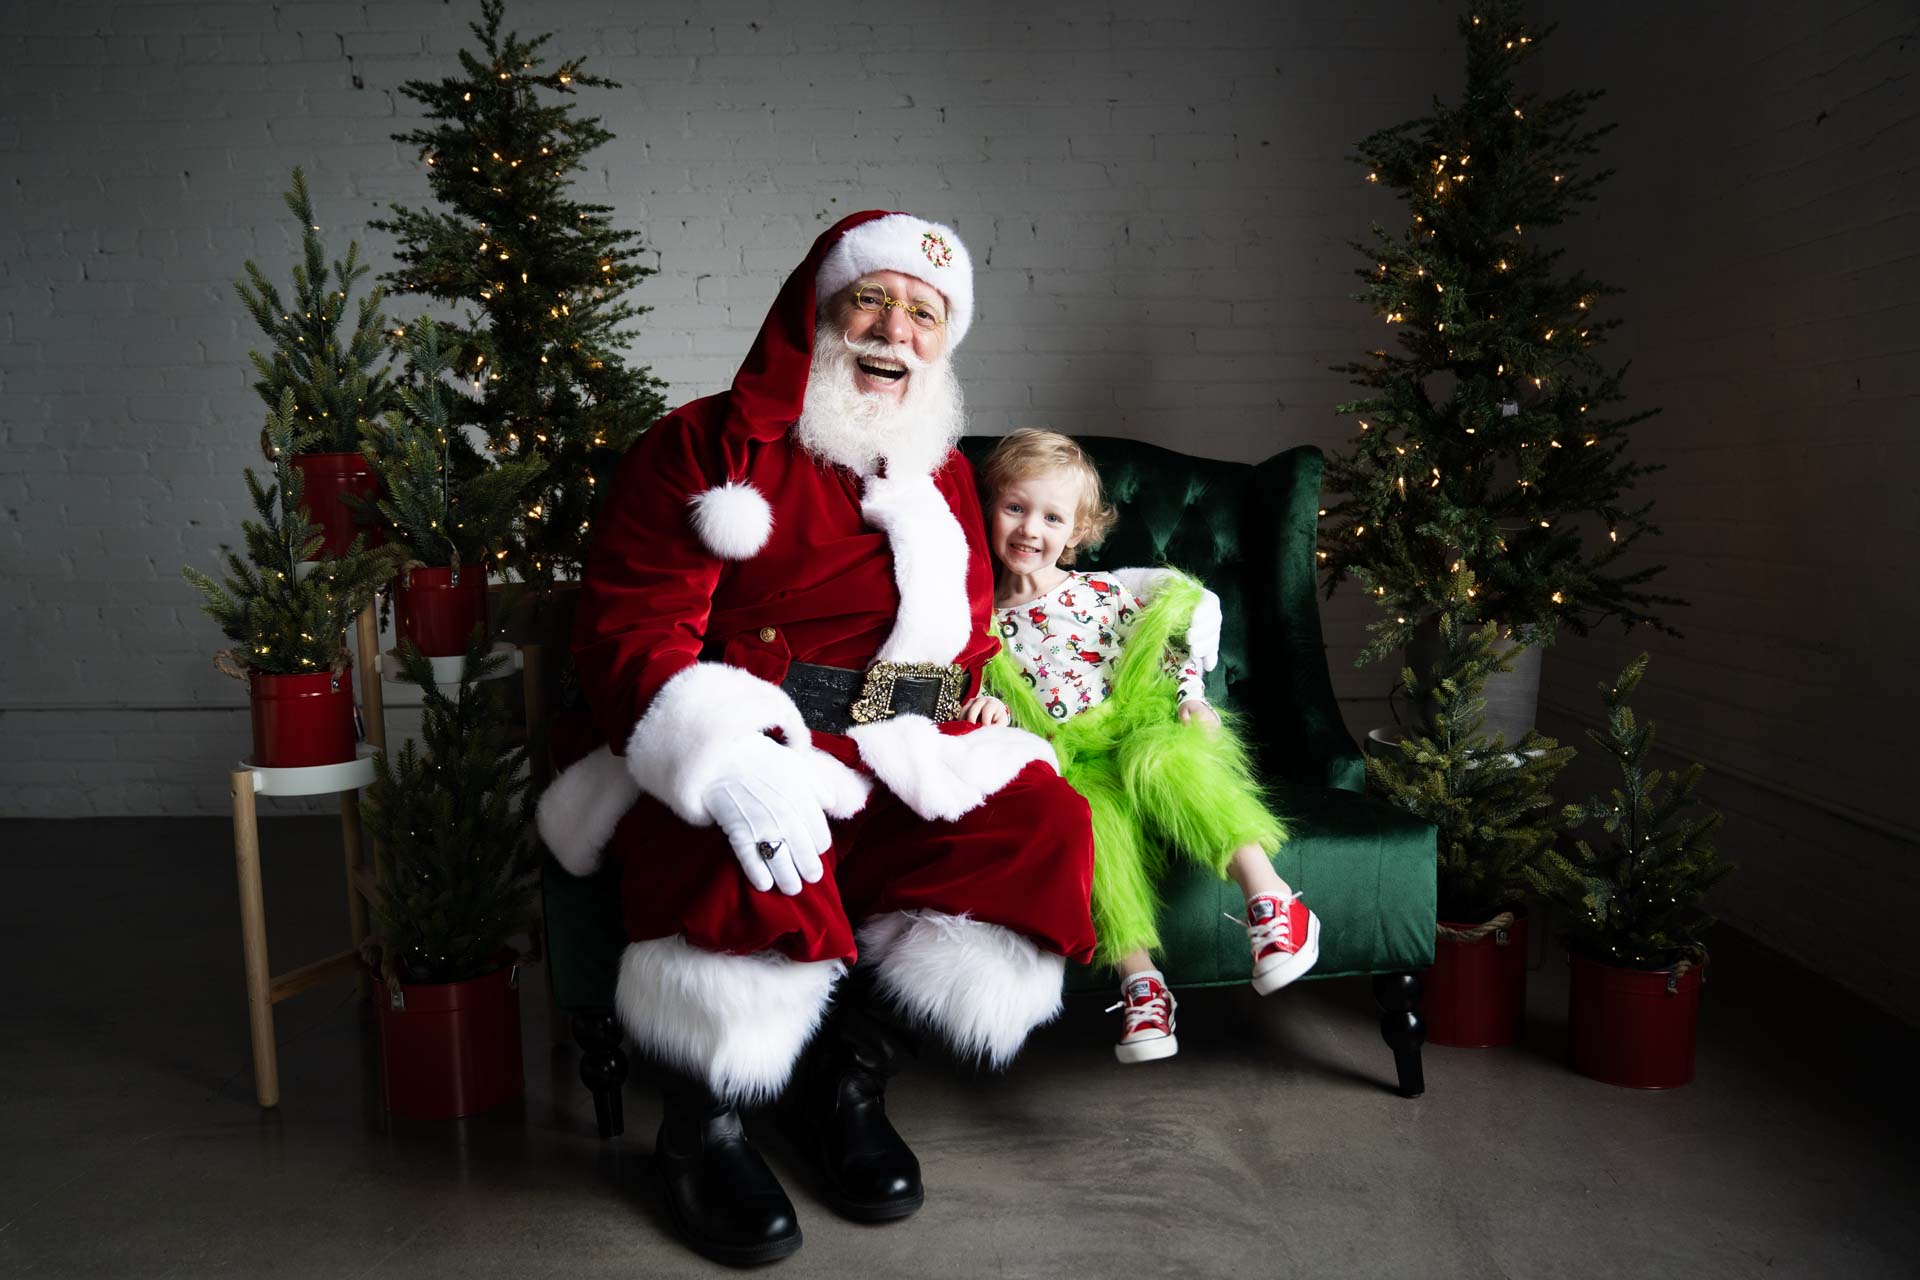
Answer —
724 552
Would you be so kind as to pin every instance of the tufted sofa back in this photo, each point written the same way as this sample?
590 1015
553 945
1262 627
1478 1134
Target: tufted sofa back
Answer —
1248 531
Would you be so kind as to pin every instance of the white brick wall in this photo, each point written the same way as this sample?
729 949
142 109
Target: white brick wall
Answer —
1159 207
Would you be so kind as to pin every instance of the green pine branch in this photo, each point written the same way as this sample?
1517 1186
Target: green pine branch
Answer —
1493 804
458 873
441 496
284 604
1632 893
545 278
339 381
1491 437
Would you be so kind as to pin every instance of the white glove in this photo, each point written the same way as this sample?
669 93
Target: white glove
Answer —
700 750
1203 632
773 813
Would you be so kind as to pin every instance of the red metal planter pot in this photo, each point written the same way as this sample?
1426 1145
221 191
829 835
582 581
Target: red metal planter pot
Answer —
300 721
1475 996
328 478
1633 1027
438 608
453 1048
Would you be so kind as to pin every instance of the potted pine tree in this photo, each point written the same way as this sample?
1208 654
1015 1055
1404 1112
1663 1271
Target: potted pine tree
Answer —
339 380
543 278
286 606
1632 901
1494 811
442 501
456 884
1492 434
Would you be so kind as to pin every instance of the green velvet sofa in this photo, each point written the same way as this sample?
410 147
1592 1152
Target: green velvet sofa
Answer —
1248 531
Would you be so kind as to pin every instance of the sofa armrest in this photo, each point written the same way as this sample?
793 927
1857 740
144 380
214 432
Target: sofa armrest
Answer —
1314 746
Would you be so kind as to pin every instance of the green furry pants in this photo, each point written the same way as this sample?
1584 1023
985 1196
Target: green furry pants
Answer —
1188 788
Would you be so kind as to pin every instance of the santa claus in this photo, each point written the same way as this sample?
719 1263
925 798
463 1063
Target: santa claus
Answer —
787 602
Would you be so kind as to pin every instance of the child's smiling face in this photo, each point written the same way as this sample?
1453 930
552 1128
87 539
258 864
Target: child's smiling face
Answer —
1034 519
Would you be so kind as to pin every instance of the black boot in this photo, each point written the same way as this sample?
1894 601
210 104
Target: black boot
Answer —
724 1200
869 1173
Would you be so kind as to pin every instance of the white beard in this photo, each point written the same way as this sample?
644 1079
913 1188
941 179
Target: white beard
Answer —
860 431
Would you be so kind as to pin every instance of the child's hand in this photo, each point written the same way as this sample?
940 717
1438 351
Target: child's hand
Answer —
1194 709
985 709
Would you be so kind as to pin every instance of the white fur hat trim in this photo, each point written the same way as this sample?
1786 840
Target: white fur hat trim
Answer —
913 247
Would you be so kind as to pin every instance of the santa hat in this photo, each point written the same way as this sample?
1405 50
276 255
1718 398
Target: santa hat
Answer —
912 246
770 388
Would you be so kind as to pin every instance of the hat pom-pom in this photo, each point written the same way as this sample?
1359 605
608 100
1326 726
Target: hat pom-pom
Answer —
733 520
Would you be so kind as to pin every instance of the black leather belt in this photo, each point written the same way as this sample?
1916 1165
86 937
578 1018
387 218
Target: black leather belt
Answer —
835 699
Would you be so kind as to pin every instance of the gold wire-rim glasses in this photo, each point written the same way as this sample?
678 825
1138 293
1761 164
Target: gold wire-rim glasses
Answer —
871 297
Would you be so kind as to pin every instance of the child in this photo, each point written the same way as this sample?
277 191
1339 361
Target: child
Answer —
1089 665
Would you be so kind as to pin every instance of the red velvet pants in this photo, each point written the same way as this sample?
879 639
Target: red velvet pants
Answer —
1022 860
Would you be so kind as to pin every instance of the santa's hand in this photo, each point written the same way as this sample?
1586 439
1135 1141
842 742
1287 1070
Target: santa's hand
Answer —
773 820
985 709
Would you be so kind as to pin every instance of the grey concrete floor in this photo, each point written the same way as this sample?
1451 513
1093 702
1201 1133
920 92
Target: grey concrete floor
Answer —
130 1143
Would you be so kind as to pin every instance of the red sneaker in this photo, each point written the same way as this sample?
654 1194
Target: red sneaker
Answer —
1284 937
1150 1015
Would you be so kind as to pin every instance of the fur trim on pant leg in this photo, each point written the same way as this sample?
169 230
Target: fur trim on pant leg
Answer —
739 1022
980 986
577 815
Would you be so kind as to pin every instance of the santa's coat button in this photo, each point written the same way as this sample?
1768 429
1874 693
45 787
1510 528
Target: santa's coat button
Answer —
767 634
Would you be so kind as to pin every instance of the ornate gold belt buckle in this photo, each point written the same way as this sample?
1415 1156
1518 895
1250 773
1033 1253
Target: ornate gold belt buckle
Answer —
875 702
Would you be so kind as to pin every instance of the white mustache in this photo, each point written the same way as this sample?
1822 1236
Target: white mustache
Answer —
904 353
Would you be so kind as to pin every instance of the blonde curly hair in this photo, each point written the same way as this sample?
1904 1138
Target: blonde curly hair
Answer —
1028 452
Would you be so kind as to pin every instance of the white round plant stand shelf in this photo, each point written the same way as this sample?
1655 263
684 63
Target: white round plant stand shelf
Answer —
314 780
446 671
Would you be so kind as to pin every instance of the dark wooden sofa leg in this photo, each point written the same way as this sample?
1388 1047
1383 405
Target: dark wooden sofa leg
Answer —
1398 995
603 1067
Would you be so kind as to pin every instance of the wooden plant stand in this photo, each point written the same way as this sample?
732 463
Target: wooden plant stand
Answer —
265 989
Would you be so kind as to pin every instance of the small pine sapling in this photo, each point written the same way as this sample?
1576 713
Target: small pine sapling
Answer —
284 605
443 500
340 383
458 872
1632 895
1493 805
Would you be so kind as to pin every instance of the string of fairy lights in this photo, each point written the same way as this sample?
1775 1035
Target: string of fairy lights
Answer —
1399 284
492 248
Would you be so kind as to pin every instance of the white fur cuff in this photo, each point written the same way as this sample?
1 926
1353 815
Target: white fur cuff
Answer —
739 1022
692 732
579 811
941 776
983 987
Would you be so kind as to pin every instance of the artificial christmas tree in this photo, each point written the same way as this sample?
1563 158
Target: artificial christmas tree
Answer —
1632 905
444 502
286 606
1494 810
1488 441
546 273
338 380
456 884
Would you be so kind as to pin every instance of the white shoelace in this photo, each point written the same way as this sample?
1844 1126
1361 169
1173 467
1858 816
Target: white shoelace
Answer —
1279 929
1154 1008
